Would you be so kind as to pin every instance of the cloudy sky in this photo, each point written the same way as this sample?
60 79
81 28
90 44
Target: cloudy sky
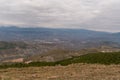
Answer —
102 15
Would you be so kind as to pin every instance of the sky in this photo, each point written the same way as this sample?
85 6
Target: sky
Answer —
100 15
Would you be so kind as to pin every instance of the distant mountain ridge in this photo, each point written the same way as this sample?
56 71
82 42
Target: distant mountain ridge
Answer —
47 34
51 44
23 32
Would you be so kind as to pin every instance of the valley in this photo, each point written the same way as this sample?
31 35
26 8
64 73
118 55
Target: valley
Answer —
58 54
60 40
44 44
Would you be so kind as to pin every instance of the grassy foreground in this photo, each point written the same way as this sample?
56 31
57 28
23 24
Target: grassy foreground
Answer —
93 58
71 72
95 70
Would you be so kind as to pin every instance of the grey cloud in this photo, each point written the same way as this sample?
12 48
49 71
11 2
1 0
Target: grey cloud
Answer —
89 14
109 20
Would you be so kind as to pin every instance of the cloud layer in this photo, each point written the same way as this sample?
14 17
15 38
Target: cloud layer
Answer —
89 14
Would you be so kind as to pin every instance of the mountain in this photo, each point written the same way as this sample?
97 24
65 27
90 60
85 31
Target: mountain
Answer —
65 35
14 33
46 44
73 37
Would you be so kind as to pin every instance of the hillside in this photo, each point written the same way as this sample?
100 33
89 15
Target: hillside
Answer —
40 44
76 68
92 58
20 51
71 72
68 36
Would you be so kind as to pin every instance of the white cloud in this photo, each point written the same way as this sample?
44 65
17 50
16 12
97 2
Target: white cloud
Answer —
57 13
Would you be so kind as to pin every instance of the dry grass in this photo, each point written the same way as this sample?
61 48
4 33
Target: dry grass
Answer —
70 72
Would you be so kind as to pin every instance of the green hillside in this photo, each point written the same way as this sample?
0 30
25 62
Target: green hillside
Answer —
93 58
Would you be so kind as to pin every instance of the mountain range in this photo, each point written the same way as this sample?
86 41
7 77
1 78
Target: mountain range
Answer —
46 44
57 35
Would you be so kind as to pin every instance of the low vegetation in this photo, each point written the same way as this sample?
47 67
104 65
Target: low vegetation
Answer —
93 58
71 72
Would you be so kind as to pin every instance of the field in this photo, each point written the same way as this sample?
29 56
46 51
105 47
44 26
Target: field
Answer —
71 72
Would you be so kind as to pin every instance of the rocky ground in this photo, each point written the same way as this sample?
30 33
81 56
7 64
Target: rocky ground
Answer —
70 72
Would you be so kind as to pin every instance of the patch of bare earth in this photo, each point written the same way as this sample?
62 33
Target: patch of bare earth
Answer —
70 72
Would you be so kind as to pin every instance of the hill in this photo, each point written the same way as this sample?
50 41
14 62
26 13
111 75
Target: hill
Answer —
21 43
93 58
70 72
69 38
